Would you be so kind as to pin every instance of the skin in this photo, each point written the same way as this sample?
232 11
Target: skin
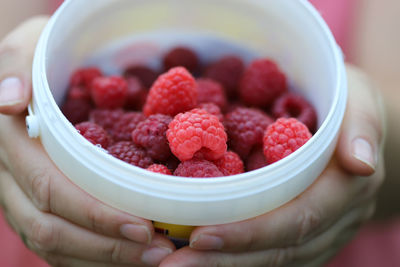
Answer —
307 231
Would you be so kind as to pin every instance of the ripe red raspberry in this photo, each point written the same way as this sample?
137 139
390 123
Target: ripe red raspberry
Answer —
212 109
85 76
261 83
159 168
79 92
151 134
181 57
130 153
93 133
146 75
173 92
283 137
124 126
109 92
210 91
197 132
137 94
198 168
245 128
76 110
256 159
230 164
226 71
291 105
105 117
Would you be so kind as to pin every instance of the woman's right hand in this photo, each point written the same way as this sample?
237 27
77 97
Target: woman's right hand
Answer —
56 219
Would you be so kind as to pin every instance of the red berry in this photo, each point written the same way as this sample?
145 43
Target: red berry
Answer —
84 77
151 134
130 153
181 57
76 110
79 92
109 92
197 132
198 168
262 83
283 137
105 117
245 128
146 75
159 168
256 159
212 109
173 92
227 71
291 105
230 164
210 91
137 94
93 133
124 126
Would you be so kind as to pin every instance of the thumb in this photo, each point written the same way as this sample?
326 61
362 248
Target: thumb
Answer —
16 55
363 127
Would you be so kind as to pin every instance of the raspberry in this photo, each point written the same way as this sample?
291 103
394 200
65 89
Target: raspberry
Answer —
291 105
84 77
146 75
198 168
256 159
137 94
283 137
212 109
197 132
159 168
211 91
181 57
124 126
262 83
109 92
79 92
105 117
93 133
131 153
151 134
245 128
173 92
226 71
76 110
230 164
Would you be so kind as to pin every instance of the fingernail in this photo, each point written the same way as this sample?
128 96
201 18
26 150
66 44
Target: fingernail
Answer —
362 150
137 233
207 242
11 91
155 255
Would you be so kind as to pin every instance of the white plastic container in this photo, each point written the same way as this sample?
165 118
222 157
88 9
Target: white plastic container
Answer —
289 31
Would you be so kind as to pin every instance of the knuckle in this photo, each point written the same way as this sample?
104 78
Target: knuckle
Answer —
280 257
309 219
40 186
95 215
115 252
43 235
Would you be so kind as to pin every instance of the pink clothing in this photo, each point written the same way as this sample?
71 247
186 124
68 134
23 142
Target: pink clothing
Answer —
360 252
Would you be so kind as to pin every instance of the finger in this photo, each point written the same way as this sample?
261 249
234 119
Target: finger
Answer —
52 192
363 126
313 253
51 234
16 54
295 223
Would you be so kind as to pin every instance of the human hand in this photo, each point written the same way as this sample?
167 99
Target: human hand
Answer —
56 219
310 229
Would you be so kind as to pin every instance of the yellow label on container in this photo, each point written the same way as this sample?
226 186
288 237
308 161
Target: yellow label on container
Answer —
173 230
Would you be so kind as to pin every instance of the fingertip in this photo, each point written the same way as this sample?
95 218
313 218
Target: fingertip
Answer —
14 95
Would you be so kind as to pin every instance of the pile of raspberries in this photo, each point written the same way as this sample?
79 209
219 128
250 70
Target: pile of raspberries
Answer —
191 119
